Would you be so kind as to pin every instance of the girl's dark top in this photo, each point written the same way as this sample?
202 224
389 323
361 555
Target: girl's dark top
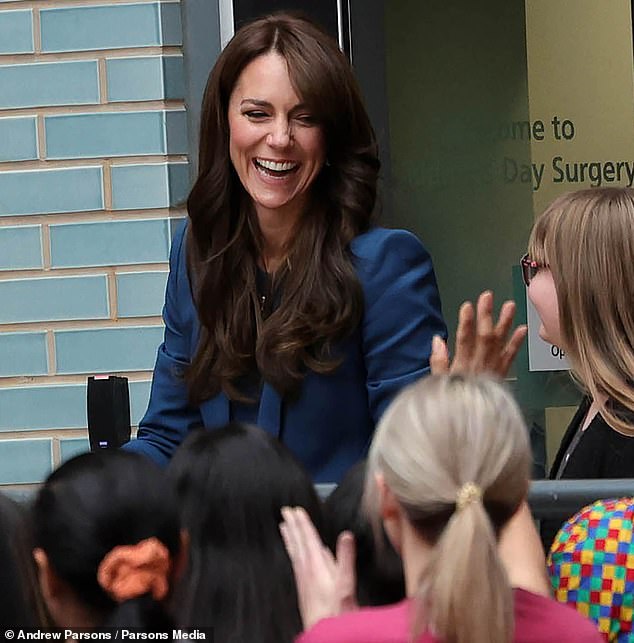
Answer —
597 452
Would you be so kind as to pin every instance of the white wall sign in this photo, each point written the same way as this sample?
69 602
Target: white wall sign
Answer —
542 356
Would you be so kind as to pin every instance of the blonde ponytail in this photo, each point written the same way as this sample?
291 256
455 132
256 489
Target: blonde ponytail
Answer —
464 596
454 452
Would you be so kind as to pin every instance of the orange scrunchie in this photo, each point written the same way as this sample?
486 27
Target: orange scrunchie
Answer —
130 571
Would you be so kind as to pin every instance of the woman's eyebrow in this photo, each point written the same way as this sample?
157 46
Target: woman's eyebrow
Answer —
264 103
256 101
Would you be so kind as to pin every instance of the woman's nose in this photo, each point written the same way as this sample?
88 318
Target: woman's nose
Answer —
280 134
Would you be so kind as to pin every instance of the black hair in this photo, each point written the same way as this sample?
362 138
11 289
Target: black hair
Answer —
93 503
232 483
21 604
379 569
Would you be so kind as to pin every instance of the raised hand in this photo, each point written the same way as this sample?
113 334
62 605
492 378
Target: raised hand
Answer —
482 346
326 585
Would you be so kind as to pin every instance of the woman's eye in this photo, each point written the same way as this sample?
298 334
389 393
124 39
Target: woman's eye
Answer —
306 119
255 114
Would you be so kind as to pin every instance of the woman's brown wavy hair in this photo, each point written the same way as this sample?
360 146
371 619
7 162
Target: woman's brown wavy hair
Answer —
321 299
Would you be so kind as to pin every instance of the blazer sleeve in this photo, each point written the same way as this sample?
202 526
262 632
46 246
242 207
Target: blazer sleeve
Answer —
169 416
402 312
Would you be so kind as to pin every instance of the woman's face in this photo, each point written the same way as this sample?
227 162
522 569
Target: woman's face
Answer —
543 295
275 145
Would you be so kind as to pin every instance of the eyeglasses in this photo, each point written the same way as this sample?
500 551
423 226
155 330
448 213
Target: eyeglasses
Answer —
529 269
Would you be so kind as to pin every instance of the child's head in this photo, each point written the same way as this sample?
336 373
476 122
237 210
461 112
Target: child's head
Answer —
450 463
583 287
107 540
232 483
21 600
379 571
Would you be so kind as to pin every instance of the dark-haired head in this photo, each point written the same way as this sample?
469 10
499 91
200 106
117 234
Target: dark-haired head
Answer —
91 513
21 604
232 483
379 570
322 300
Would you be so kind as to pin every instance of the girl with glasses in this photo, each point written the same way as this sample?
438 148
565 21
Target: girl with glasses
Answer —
580 277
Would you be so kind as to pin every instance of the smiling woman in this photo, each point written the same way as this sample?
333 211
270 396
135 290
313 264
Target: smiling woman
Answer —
285 306
276 146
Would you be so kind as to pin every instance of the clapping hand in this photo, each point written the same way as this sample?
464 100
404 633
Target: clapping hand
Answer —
481 345
326 585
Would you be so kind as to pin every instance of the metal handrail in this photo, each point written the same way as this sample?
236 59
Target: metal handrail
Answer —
557 499
560 499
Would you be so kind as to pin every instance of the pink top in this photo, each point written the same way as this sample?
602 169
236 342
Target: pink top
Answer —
537 620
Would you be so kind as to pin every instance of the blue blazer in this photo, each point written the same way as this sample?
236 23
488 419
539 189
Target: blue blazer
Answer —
330 425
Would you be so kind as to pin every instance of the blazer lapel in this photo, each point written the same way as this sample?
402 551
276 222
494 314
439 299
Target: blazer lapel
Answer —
215 411
270 412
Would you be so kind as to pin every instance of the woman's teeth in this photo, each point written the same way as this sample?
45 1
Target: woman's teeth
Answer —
275 166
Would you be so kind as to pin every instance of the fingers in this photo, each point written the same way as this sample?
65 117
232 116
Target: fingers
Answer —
482 345
346 556
314 567
347 577
485 334
292 537
505 321
465 338
305 543
439 358
512 348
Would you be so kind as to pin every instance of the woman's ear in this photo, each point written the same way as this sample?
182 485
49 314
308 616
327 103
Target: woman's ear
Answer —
388 505
390 512
50 583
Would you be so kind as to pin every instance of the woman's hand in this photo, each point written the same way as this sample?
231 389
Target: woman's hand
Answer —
481 345
326 586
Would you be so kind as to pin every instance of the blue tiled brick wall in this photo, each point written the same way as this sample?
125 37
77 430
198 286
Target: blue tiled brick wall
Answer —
20 139
16 32
23 354
47 84
115 134
93 174
139 294
149 186
20 247
110 26
106 350
57 406
25 460
109 243
145 78
49 191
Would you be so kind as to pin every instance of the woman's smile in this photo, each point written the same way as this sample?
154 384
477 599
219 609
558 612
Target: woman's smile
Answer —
275 170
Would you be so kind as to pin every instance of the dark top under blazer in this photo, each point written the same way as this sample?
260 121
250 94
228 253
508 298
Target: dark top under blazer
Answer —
330 424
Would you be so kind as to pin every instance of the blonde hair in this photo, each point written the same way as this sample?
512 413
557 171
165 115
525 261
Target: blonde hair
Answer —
440 436
586 238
